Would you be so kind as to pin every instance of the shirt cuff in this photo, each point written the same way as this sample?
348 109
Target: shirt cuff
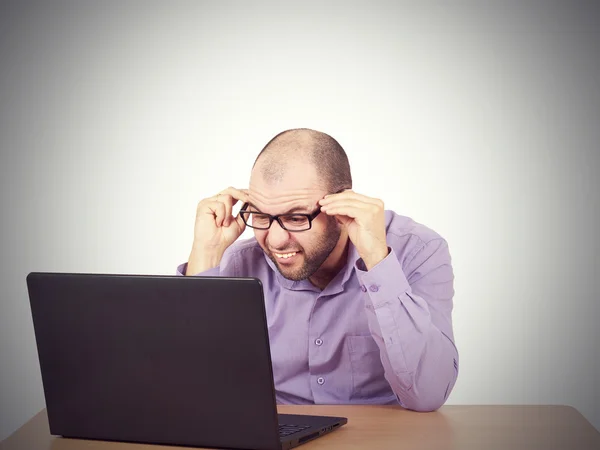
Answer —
385 282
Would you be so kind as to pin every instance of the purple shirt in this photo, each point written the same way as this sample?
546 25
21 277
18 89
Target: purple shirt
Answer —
373 337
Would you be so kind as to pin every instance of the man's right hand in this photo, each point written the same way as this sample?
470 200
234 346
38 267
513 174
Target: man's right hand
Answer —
215 229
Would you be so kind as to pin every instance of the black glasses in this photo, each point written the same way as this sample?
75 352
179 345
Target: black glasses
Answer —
290 222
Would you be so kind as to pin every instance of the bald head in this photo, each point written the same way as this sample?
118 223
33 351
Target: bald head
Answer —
301 146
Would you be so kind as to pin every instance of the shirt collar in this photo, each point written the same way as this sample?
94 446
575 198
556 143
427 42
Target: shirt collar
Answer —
335 286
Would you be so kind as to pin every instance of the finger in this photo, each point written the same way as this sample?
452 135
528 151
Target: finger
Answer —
230 197
228 202
368 208
349 195
347 210
343 220
237 194
217 210
240 222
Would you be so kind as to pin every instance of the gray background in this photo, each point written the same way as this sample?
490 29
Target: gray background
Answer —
478 119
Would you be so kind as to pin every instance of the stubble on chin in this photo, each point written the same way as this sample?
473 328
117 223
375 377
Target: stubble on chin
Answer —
311 264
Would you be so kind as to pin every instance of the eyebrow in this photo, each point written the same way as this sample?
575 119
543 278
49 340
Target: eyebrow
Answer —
295 209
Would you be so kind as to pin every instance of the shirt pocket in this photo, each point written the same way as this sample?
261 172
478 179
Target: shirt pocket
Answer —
368 378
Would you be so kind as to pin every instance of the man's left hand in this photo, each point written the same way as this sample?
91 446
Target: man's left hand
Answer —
363 217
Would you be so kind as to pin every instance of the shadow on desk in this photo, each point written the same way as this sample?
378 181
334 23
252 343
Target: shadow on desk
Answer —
378 426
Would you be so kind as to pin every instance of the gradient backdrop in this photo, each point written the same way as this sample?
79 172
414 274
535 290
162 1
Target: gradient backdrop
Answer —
479 119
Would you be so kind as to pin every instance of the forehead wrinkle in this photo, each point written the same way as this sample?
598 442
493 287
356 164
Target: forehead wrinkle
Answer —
283 203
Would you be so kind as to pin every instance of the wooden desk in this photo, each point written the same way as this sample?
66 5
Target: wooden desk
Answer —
391 427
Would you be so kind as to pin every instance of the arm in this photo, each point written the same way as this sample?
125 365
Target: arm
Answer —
410 319
225 267
408 311
201 261
215 230
183 270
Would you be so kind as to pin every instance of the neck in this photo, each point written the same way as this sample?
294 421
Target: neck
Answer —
333 264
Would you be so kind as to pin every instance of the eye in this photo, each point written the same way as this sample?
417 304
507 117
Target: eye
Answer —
260 217
297 219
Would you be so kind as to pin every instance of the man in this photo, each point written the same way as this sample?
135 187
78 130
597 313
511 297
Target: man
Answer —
358 299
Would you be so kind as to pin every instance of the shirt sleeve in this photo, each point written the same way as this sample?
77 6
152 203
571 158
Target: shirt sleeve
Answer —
227 268
214 272
409 316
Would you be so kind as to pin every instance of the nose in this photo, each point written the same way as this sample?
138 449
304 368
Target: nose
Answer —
277 237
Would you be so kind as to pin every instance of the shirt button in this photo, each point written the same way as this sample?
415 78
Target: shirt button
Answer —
363 288
373 288
320 380
319 342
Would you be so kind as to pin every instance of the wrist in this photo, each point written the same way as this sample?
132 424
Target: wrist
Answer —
202 259
375 258
210 250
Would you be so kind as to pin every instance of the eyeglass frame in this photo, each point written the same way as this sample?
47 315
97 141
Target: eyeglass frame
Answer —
310 218
277 217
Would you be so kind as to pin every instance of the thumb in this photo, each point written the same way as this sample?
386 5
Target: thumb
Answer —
343 220
240 223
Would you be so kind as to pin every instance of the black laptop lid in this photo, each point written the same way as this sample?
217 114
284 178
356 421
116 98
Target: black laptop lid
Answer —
155 359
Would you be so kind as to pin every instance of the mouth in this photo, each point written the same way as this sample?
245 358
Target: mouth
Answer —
286 258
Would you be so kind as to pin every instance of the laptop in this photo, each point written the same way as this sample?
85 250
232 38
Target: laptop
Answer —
161 360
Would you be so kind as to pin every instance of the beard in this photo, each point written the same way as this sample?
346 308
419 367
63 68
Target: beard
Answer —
315 256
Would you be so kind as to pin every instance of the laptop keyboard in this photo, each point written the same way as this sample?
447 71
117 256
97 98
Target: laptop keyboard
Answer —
287 429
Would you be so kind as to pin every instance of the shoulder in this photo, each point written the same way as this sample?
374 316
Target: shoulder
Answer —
408 237
244 258
245 248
